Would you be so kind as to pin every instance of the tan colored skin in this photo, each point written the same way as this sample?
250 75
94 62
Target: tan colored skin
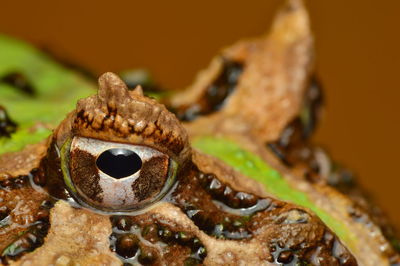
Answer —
81 237
269 95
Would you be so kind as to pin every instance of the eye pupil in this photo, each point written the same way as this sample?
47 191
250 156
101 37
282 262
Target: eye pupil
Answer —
119 163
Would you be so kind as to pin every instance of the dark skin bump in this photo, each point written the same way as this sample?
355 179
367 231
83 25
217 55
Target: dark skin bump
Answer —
127 246
285 256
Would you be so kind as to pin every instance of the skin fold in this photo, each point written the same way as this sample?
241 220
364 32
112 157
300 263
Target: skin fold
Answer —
228 173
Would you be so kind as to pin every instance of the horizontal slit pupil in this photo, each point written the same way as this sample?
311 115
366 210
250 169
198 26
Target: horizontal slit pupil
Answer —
119 163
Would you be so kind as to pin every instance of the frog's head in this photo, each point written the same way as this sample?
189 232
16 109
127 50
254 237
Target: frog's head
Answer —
120 150
228 200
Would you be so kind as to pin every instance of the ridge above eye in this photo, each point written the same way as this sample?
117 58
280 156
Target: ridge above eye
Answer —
119 162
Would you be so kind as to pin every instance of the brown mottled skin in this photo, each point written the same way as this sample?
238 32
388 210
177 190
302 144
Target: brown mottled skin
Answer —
212 214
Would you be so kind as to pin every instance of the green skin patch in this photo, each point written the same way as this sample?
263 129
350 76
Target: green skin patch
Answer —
57 91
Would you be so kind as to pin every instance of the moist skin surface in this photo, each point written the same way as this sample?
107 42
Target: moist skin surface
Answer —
221 173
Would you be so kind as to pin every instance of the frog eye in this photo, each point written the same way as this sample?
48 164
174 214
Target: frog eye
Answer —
115 176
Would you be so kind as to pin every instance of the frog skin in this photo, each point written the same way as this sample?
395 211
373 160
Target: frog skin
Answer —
220 177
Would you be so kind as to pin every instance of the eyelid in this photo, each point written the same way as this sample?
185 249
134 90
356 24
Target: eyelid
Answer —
96 147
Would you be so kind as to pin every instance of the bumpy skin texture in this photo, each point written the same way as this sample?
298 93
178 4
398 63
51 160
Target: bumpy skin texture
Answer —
220 224
259 203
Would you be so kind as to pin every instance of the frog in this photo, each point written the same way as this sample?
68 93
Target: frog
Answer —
222 172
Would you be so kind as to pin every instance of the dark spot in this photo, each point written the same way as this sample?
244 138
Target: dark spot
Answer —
294 150
7 126
285 256
6 184
4 212
19 81
292 147
278 151
182 238
291 138
14 183
43 215
200 251
342 179
119 163
153 176
124 224
149 230
127 246
146 257
282 255
20 181
215 94
38 176
165 234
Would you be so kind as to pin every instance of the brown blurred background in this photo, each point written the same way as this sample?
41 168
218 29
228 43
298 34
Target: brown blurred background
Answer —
358 60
